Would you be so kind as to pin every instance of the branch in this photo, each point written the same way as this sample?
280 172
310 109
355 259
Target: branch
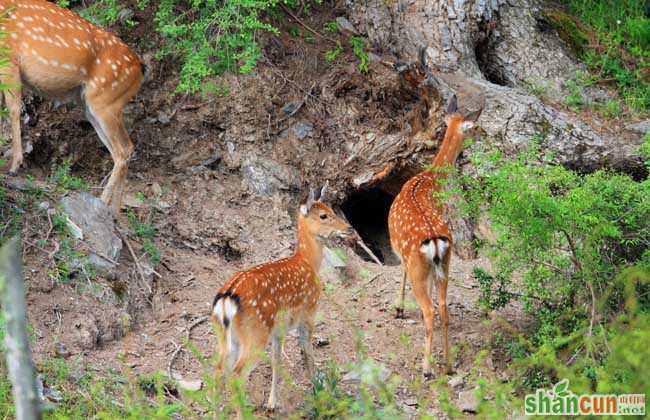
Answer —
180 347
578 266
287 11
17 351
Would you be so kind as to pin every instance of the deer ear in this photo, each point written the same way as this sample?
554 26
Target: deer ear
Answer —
310 202
323 190
452 107
473 117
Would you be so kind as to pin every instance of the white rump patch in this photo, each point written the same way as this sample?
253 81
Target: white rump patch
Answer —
429 250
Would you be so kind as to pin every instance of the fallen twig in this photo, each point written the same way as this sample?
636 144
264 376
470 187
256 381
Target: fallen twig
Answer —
179 348
369 252
135 261
304 25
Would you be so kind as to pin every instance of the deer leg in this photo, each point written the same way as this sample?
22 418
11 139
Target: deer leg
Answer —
441 285
418 274
305 331
399 310
252 340
276 353
110 127
13 99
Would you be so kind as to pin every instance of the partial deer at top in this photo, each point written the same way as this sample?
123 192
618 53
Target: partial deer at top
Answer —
420 236
62 56
269 299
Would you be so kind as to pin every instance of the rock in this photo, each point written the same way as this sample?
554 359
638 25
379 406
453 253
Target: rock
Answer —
369 372
302 129
322 341
640 127
46 394
44 205
87 333
467 401
265 176
61 350
125 15
290 107
345 25
163 118
190 385
411 402
156 189
93 220
456 381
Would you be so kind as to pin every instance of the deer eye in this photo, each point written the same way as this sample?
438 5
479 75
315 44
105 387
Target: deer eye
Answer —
323 216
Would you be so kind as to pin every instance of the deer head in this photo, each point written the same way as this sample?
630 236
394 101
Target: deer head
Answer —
320 221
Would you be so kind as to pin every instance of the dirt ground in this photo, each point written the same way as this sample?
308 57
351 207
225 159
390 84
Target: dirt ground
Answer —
191 159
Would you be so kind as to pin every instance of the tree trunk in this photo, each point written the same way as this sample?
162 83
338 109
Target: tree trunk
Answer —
17 351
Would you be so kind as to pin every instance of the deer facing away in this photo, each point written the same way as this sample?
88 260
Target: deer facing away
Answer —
269 299
421 238
60 55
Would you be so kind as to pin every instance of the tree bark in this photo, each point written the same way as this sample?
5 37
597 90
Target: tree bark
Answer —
499 49
17 350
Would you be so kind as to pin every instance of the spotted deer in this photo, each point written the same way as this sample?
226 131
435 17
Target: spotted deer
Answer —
62 56
269 299
421 238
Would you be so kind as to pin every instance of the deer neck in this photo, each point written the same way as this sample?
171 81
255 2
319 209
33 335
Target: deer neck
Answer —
309 248
451 145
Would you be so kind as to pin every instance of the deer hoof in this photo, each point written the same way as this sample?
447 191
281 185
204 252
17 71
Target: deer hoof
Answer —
12 173
399 313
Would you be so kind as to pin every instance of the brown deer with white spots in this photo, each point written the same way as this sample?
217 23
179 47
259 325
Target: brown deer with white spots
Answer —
272 298
422 239
62 56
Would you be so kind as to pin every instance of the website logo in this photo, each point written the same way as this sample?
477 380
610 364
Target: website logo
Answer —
560 401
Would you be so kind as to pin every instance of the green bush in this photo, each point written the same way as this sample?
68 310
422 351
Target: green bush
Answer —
210 37
579 246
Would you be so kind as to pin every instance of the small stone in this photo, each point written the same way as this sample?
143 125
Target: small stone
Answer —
322 341
290 107
44 205
156 189
61 350
369 371
302 129
456 381
345 25
467 401
190 385
125 15
412 402
163 118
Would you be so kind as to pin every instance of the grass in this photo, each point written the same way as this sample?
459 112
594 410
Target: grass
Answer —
613 39
144 230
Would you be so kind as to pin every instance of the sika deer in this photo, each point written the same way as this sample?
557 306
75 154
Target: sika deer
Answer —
271 298
422 239
60 55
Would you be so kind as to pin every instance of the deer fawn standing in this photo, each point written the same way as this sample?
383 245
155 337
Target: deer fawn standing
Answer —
271 298
422 239
60 55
